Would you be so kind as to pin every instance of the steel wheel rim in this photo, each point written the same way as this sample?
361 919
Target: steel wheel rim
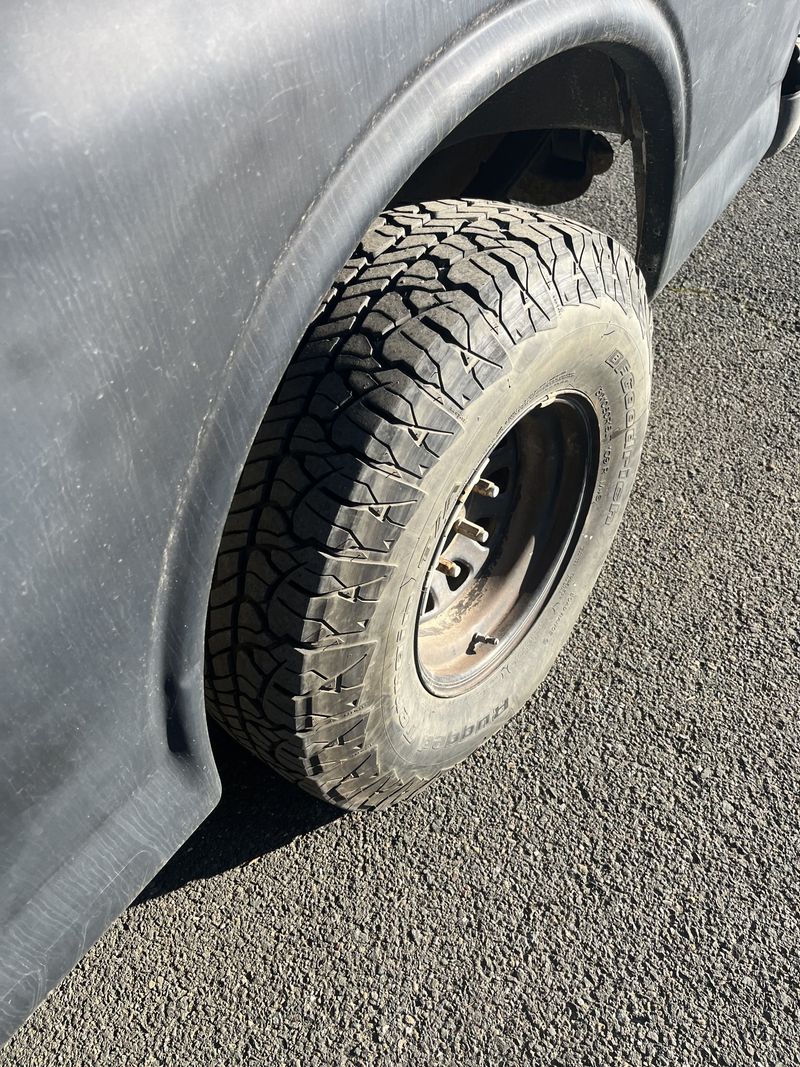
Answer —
510 537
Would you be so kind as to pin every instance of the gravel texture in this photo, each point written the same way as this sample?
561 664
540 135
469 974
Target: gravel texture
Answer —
615 879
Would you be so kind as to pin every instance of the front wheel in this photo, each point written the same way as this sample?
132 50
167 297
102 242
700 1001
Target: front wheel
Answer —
430 498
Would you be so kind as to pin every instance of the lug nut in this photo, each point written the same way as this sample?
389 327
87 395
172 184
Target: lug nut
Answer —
483 487
471 530
446 566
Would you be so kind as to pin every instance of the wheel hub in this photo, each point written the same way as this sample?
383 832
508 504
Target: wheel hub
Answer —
507 541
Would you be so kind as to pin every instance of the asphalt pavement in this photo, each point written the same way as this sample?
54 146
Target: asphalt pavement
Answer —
615 879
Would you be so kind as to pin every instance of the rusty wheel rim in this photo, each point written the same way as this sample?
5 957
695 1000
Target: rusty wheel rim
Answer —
507 543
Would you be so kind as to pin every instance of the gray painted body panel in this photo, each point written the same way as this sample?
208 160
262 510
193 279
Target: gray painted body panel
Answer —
178 185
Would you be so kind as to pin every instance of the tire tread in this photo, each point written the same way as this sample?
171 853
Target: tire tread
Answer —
418 324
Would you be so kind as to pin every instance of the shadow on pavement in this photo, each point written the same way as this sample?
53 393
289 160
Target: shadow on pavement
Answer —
258 813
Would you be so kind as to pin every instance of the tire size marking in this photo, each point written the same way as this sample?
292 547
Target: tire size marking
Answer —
627 382
607 422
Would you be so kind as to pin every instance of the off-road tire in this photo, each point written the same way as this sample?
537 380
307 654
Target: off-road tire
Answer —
446 314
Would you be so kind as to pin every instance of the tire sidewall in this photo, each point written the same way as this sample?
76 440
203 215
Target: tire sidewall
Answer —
600 352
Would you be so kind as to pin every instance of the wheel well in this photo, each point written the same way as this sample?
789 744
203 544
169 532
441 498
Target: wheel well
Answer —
534 139
455 99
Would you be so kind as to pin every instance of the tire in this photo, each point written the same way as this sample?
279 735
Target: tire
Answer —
458 330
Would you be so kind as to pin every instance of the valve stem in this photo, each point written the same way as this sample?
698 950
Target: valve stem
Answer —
481 639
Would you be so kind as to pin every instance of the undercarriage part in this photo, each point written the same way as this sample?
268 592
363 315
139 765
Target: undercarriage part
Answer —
539 167
543 167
